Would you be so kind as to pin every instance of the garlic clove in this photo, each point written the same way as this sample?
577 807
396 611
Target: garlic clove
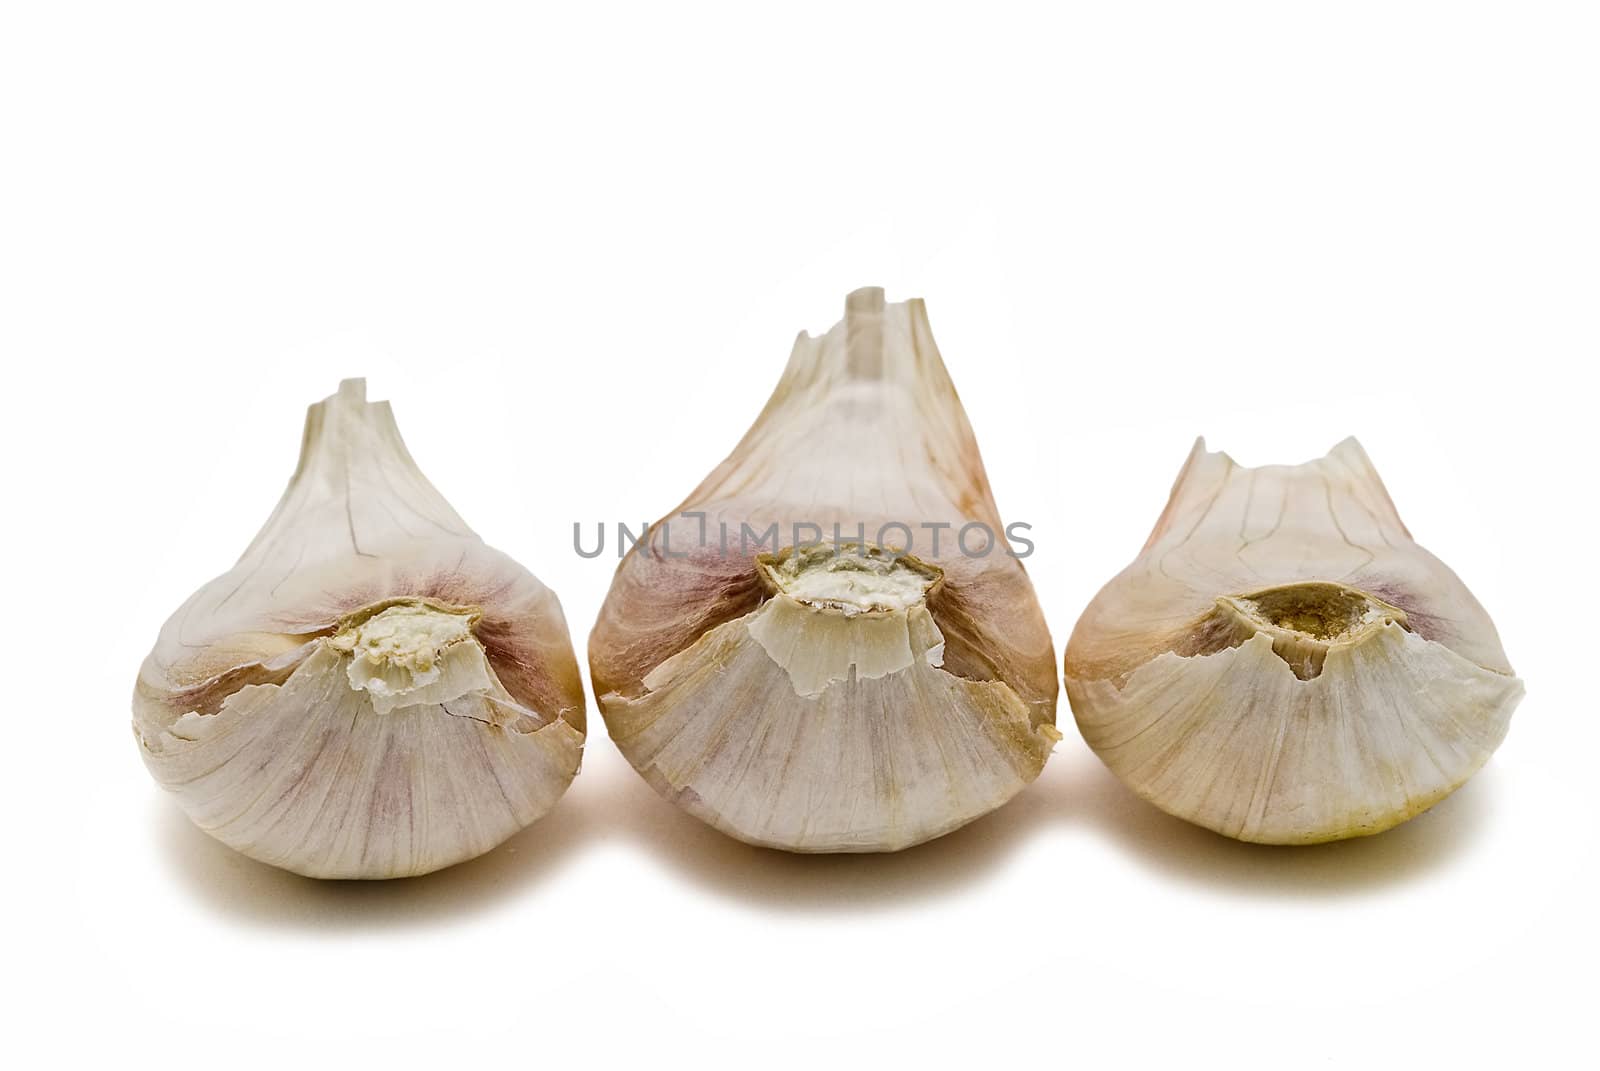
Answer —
371 691
845 696
1282 663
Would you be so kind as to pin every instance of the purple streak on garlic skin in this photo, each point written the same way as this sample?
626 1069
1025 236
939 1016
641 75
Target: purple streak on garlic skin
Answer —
864 429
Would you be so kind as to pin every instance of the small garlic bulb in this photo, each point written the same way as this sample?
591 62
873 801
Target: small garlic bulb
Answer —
1282 663
817 651
371 692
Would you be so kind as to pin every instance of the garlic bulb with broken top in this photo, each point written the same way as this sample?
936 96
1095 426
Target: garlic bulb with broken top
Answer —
1282 663
370 692
829 646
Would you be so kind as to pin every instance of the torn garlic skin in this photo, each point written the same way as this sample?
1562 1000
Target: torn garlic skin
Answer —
1283 663
371 692
823 696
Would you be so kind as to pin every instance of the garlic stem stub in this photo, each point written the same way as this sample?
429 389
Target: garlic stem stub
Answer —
816 652
1283 663
371 692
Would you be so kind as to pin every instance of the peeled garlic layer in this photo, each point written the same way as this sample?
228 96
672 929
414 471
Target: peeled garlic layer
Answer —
834 698
371 692
1282 663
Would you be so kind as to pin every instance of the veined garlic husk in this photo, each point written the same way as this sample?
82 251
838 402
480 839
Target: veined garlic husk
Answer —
371 692
1282 663
864 694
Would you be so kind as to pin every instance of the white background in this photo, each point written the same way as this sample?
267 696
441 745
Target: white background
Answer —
574 249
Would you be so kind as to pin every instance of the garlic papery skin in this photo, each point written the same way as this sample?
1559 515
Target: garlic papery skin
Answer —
371 692
822 692
1282 663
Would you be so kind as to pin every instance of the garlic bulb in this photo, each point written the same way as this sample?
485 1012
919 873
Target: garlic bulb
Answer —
820 650
1282 663
370 692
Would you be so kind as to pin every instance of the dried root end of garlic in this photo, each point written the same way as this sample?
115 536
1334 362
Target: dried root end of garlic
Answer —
371 692
1283 664
840 613
854 578
1302 621
844 696
411 651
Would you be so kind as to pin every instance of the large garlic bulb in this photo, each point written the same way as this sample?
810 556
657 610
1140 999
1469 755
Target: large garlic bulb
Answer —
774 663
371 691
1282 663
